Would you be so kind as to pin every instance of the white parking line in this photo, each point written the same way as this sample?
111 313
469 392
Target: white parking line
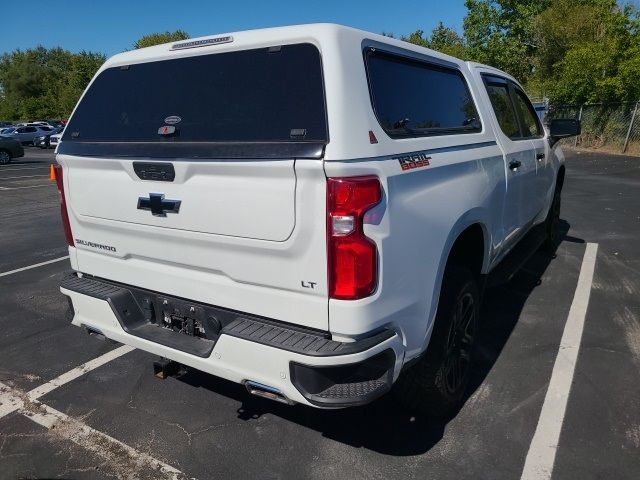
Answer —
33 186
78 372
127 461
7 405
23 176
4 274
9 402
544 445
24 168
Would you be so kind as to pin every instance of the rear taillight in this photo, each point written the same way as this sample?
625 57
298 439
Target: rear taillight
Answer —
63 206
352 257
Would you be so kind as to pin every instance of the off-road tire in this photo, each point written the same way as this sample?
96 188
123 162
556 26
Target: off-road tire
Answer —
427 386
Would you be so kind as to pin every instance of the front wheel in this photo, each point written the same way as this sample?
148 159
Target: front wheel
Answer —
5 158
436 384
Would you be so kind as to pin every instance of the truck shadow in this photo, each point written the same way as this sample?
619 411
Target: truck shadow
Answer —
383 426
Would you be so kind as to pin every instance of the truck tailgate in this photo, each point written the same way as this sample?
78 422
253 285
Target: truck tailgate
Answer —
249 236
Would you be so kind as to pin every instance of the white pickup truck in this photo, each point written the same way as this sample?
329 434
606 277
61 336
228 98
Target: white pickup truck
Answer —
311 211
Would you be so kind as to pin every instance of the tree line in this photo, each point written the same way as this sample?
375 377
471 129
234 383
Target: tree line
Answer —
46 83
569 51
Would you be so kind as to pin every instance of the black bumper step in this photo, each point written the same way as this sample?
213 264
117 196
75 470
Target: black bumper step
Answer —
130 306
345 385
132 319
299 341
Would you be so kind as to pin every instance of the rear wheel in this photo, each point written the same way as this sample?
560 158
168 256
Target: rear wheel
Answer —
5 158
436 384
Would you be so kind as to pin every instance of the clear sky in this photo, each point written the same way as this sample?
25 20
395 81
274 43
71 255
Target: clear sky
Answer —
111 26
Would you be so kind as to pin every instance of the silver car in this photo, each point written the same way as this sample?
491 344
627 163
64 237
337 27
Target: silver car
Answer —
26 134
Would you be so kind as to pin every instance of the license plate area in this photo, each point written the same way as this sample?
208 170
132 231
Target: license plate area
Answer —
183 317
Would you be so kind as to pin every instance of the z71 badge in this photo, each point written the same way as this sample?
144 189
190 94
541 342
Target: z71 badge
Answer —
409 162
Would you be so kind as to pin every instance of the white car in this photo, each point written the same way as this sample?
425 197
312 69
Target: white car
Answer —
54 139
311 211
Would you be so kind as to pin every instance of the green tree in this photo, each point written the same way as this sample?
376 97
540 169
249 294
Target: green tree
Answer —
442 39
44 83
83 67
159 38
446 40
571 51
501 33
593 57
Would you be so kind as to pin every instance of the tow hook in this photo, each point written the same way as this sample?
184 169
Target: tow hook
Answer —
164 368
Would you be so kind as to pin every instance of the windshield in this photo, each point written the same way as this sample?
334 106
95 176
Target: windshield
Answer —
271 94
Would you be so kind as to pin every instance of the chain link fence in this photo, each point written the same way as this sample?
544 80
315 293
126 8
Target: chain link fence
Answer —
610 127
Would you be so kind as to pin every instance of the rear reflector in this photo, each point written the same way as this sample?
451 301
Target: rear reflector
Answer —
352 257
63 206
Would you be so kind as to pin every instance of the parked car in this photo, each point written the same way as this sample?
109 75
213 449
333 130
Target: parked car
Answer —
9 149
34 124
54 140
43 141
233 237
6 130
45 124
55 123
26 134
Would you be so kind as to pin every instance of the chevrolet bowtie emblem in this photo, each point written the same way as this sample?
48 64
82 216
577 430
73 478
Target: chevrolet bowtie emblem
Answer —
158 205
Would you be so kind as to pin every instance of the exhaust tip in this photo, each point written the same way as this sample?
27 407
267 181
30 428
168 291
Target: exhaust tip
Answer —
94 332
265 391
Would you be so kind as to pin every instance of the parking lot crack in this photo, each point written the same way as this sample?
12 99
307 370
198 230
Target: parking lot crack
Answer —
124 460
179 427
189 434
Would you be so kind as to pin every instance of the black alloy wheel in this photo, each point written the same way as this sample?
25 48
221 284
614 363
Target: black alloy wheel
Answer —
436 384
459 344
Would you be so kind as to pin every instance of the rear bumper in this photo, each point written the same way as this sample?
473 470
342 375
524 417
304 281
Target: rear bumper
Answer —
304 365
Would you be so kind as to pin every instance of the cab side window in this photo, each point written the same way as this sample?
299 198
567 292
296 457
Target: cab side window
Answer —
498 91
414 98
530 124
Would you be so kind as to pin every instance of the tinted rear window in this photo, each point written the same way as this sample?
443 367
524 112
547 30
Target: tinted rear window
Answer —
503 107
414 98
263 95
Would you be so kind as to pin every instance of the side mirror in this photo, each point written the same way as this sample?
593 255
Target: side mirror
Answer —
560 128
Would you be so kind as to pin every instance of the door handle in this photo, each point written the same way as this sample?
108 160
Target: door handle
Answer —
515 164
539 156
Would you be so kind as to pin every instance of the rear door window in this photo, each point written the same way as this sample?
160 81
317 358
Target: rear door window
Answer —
498 91
414 98
267 95
530 122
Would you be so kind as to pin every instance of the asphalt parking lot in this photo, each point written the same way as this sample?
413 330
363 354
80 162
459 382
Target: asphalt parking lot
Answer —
111 418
